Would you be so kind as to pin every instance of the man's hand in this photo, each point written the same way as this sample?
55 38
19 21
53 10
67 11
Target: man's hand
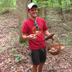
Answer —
32 37
53 38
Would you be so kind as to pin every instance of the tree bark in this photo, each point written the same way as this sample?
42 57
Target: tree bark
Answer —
71 2
42 11
22 14
60 10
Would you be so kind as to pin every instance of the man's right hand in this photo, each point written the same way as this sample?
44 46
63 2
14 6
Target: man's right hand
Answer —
32 37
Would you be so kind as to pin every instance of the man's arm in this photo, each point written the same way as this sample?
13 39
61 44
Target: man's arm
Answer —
46 32
27 37
24 36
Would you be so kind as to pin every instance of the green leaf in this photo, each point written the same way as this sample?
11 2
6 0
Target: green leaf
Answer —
65 35
55 68
28 68
16 59
17 55
21 58
49 66
14 49
0 3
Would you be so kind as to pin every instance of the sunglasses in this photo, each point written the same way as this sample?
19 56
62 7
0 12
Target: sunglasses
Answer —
35 23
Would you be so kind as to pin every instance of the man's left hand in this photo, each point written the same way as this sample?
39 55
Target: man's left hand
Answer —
53 38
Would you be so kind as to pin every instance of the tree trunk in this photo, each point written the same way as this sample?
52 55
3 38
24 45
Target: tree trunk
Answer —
22 14
60 10
71 2
5 3
42 11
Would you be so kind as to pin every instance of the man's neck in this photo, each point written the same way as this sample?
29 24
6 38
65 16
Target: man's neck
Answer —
34 19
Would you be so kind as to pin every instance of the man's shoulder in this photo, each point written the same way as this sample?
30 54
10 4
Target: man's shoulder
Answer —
27 20
40 18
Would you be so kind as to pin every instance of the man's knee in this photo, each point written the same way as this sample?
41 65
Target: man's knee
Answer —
35 66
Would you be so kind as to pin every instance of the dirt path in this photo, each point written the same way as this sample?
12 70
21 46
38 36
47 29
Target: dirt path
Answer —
9 46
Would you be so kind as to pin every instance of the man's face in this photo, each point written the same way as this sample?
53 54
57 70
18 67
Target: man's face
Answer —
33 12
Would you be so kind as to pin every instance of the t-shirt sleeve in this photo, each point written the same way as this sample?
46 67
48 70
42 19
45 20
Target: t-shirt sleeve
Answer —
25 28
44 25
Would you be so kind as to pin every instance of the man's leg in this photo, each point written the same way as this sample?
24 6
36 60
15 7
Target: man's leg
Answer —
42 59
40 66
35 59
34 68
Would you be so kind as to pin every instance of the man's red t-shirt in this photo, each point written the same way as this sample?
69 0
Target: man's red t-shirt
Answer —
30 28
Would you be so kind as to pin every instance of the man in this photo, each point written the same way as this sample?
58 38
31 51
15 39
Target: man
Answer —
35 27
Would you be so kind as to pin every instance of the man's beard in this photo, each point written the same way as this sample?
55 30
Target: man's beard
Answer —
34 16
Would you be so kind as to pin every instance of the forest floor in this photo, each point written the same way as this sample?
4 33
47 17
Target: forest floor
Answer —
14 56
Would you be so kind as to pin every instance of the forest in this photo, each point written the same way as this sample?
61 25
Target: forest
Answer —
14 50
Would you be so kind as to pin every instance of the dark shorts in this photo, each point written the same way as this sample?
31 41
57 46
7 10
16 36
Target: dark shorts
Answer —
38 56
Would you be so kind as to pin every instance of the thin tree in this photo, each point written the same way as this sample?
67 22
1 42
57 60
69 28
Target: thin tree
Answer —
42 10
71 2
22 15
60 10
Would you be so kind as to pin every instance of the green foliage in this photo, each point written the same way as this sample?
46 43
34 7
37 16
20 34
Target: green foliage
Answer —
2 48
28 68
65 35
63 42
68 40
4 10
7 3
67 28
14 49
46 64
49 3
18 57
53 3
55 68
50 66
21 40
